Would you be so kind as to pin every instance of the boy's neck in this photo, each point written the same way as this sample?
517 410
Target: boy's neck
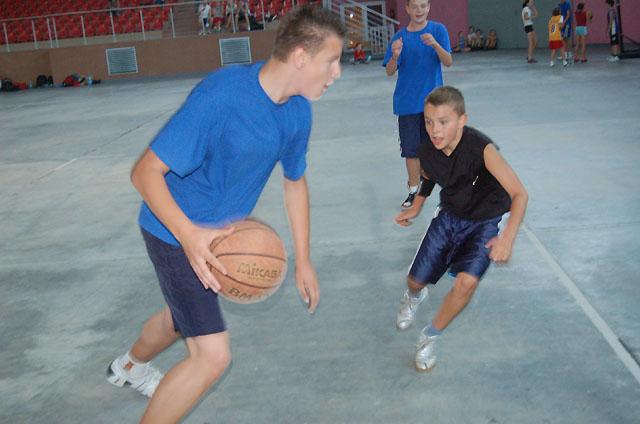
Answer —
449 150
275 79
414 27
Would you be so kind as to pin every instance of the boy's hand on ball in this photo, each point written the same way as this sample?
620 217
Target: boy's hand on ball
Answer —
500 248
307 283
196 244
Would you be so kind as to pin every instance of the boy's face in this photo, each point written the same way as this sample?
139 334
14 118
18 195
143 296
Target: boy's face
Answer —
444 126
319 71
418 10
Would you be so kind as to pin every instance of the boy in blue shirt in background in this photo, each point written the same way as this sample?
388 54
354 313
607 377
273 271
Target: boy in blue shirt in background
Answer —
205 169
417 53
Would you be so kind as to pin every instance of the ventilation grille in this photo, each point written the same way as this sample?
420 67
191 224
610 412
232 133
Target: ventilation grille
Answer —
235 51
122 61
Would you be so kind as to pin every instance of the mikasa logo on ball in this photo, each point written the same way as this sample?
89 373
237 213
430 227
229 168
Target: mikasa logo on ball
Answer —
254 271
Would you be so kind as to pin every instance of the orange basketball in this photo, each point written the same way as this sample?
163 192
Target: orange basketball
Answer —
255 259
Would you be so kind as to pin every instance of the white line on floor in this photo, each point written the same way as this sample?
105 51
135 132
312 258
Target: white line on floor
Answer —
589 310
57 168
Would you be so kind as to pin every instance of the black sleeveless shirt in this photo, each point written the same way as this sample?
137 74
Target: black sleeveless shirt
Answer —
468 190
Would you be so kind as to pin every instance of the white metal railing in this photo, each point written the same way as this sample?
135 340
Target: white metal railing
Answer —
364 24
177 19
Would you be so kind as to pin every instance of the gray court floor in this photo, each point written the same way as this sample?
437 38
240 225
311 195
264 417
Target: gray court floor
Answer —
543 341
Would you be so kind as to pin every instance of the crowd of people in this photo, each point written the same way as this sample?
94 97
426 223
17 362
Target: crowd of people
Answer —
234 15
562 27
476 40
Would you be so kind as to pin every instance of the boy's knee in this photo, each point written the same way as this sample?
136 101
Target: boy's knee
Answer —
413 284
465 284
213 357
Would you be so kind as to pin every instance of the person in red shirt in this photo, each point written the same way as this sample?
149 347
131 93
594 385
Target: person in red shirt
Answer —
582 17
359 55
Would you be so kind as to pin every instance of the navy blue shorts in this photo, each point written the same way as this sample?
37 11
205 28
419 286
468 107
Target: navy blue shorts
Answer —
412 133
453 244
195 311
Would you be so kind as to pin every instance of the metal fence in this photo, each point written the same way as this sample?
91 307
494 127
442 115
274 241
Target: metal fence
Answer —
147 22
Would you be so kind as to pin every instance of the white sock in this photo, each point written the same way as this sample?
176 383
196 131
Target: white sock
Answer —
127 357
413 189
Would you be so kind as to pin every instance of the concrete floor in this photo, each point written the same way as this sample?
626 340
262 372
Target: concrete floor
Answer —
76 285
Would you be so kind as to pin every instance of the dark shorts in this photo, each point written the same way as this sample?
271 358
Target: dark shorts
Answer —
528 28
453 244
614 39
566 31
195 311
412 132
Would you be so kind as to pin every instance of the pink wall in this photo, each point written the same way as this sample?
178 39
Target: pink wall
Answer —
452 13
598 27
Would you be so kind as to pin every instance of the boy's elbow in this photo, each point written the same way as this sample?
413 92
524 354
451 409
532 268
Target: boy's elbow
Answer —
134 176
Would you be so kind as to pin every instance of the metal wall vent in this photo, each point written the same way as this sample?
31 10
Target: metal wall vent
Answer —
235 51
122 61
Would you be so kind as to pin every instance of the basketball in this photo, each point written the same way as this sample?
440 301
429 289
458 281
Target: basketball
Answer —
255 259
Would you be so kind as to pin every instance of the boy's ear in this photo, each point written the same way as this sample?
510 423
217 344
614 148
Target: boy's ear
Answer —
462 120
299 57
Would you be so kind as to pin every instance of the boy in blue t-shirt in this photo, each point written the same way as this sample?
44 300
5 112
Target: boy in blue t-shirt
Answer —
417 53
206 169
567 29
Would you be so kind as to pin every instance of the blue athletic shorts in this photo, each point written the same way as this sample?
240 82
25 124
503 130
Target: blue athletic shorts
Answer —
195 311
453 244
566 31
412 133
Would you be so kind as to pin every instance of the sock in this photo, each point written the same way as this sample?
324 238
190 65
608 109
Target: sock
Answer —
413 189
127 358
433 331
413 295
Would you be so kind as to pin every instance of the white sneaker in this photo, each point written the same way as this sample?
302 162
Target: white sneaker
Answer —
409 307
426 352
564 62
552 64
143 378
613 58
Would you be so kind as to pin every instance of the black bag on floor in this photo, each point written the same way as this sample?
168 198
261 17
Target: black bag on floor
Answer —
7 85
41 81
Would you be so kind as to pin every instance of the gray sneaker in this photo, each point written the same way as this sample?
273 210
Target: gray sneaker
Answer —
426 352
409 307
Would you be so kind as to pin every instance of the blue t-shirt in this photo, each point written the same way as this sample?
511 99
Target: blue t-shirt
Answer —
565 7
223 143
419 68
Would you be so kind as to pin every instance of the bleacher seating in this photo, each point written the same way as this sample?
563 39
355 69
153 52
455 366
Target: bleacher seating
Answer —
39 14
70 26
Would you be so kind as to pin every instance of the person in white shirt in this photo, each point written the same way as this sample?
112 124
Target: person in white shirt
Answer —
204 13
528 13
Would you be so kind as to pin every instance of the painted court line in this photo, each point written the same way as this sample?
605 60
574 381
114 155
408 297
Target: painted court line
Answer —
57 168
592 314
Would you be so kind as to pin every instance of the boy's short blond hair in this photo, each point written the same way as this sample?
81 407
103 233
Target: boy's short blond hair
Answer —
307 27
447 95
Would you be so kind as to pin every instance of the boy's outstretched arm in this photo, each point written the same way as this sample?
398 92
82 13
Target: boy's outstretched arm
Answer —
501 245
296 197
404 218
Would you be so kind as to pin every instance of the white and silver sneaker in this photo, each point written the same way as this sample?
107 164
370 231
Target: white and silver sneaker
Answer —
143 378
409 307
426 352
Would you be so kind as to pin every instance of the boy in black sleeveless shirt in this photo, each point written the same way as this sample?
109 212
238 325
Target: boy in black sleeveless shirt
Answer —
477 188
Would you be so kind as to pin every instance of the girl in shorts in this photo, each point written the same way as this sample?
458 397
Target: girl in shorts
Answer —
582 17
528 13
